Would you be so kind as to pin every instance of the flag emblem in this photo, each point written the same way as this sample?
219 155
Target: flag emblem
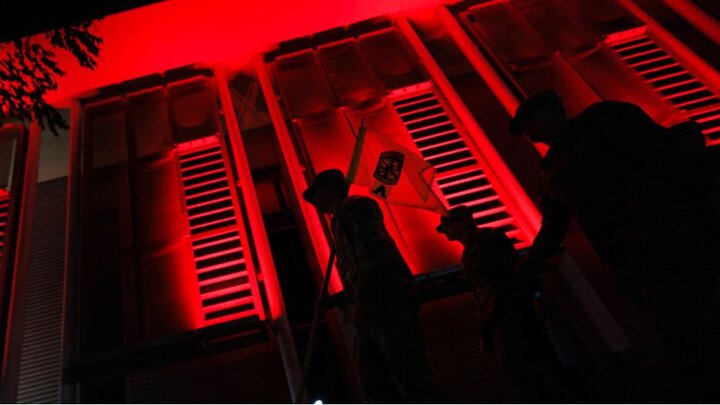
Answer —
389 167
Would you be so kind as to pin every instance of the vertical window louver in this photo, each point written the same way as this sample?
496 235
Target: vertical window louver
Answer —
165 242
4 211
225 272
460 176
659 69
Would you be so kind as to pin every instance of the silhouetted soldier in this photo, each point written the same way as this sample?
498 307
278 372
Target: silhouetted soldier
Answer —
639 192
378 292
507 320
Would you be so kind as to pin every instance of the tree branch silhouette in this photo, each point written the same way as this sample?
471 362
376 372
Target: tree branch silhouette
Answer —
29 70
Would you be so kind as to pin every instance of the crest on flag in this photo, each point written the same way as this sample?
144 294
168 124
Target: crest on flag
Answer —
393 172
389 167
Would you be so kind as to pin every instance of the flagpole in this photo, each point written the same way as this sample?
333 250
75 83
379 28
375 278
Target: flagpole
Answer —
351 173
313 329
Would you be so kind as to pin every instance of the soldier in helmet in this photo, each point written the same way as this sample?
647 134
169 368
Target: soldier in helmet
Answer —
379 294
639 193
507 320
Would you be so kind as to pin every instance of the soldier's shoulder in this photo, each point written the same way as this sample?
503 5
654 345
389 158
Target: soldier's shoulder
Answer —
610 110
360 207
360 202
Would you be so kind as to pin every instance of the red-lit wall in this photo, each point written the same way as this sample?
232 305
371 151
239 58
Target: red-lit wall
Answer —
163 36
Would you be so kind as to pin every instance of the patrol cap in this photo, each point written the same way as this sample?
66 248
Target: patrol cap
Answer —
460 213
540 101
333 177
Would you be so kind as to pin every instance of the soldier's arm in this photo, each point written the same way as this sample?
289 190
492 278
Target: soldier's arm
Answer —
555 222
369 236
502 248
334 301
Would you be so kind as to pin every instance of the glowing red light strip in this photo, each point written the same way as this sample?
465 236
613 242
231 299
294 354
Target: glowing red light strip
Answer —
636 55
638 45
620 40
463 180
414 102
657 69
697 100
203 184
487 213
189 147
405 114
436 135
708 118
204 193
231 317
225 291
204 245
482 201
500 223
211 152
220 266
637 65
514 233
199 258
207 224
664 77
188 168
677 84
429 117
197 176
414 131
235 302
215 201
448 153
685 93
467 192
438 145
209 213
221 279
465 160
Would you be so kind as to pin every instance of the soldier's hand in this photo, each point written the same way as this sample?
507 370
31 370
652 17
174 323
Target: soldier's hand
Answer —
527 275
332 301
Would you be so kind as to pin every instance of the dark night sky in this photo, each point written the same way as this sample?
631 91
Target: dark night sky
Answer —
26 17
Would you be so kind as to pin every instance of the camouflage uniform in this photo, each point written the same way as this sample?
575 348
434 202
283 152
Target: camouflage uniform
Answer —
506 315
383 304
641 200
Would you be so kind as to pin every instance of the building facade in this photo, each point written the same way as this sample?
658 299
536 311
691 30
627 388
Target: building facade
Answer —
172 259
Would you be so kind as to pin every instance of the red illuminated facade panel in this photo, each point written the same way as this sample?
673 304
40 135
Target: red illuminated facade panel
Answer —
460 176
530 62
602 52
9 142
165 241
670 79
394 96
4 211
170 263
226 274
19 153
